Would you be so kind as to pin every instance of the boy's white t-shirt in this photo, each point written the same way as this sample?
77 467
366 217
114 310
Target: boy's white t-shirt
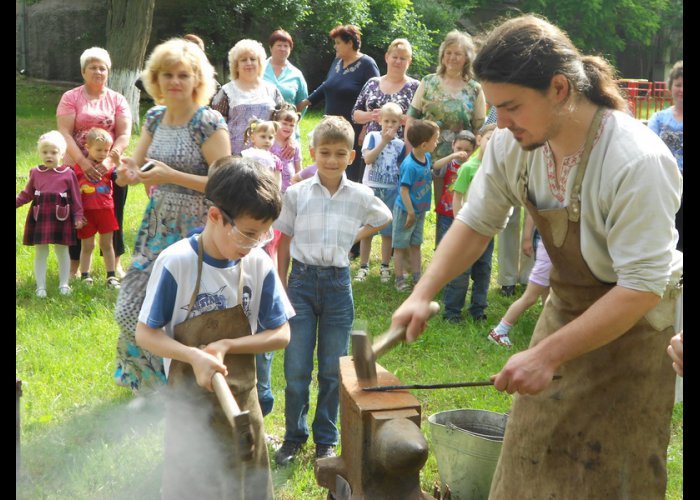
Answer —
384 172
173 279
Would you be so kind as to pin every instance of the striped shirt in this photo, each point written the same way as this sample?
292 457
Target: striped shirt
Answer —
323 227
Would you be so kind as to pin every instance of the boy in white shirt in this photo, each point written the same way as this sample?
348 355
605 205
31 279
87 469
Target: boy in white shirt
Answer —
383 152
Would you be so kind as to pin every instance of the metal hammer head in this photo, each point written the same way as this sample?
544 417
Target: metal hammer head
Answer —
243 435
363 357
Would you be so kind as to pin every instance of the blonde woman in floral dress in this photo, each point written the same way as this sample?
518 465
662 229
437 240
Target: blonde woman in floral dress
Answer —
450 97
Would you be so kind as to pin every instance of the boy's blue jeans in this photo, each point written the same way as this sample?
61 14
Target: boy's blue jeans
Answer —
322 299
455 292
263 365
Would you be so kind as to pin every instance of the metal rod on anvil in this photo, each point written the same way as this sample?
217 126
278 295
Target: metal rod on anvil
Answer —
379 388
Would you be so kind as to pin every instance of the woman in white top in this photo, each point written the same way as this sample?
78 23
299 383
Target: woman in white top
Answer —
247 95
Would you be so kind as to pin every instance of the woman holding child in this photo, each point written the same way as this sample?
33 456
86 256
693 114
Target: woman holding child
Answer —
90 105
183 136
247 95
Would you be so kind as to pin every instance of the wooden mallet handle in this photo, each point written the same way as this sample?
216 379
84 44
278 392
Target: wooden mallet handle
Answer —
389 339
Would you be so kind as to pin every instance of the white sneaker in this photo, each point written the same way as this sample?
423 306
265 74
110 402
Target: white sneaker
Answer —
64 290
41 293
119 271
113 282
385 275
362 274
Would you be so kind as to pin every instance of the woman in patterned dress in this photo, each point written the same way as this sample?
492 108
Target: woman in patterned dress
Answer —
450 97
183 136
247 95
396 86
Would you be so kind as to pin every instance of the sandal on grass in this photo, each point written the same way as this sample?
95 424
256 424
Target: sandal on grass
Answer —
501 340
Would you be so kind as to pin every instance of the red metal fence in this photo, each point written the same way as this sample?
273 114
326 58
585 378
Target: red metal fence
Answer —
645 98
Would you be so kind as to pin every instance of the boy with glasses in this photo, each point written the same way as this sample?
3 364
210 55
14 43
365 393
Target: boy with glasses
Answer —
222 269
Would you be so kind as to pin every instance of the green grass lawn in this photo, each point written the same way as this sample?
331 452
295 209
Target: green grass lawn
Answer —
81 438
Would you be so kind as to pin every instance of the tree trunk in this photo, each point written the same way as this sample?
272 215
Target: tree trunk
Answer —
128 31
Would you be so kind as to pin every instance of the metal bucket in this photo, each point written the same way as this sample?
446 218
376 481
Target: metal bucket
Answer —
467 444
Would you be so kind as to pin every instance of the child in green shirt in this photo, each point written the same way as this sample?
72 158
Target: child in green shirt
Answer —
455 292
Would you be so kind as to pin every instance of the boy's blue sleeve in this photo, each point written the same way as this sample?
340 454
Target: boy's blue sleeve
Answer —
370 142
163 303
275 309
402 154
406 177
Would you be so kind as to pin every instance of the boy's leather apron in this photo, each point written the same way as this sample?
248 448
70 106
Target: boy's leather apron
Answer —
200 459
602 430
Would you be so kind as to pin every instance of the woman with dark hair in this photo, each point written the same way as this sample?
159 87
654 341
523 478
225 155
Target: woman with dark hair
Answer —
603 191
285 76
280 72
347 75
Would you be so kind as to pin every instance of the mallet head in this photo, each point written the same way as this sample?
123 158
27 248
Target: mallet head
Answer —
244 436
363 357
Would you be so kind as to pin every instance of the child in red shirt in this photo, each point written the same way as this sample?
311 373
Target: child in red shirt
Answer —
98 204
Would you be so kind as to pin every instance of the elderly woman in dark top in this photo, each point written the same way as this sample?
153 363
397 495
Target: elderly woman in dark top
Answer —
247 95
347 75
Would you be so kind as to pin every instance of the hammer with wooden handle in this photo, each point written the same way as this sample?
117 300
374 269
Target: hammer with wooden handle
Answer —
365 355
239 420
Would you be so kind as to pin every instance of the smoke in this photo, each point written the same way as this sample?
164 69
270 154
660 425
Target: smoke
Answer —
118 450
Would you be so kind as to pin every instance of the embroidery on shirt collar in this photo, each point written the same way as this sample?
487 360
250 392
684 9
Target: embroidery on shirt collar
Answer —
558 186
351 67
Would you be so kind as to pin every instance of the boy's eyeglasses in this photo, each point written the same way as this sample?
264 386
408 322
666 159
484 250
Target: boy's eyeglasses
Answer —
245 241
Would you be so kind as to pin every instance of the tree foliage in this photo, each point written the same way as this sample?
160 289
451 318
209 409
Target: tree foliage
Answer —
606 27
603 26
223 22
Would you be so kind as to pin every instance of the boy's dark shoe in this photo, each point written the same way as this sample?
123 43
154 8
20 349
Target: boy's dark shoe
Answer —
508 290
480 317
287 452
325 451
455 320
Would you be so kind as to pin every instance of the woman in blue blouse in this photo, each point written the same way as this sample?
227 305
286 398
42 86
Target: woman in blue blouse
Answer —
347 75
280 72
668 124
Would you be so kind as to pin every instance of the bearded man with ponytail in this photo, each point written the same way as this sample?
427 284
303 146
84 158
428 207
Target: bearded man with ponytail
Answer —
603 190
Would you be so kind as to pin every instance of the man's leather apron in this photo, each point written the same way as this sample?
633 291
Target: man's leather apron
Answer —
602 430
200 450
